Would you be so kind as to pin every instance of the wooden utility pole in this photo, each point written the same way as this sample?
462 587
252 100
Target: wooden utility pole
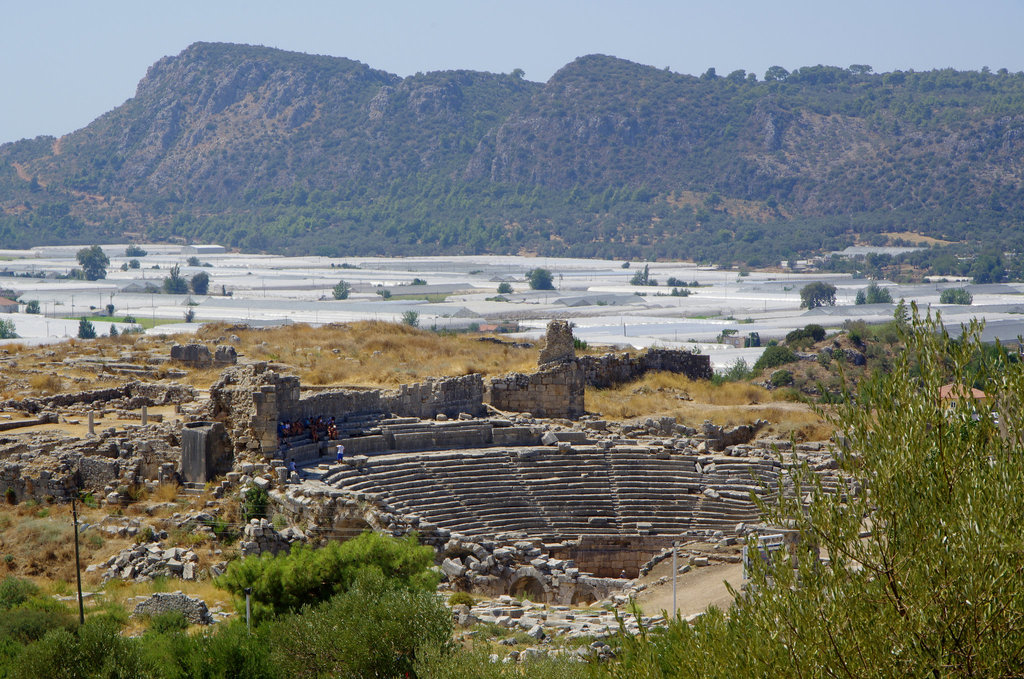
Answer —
78 565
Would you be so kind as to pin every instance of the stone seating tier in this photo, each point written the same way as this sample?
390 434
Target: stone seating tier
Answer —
542 491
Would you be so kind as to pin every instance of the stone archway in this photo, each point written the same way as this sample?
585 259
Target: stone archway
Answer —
529 582
582 597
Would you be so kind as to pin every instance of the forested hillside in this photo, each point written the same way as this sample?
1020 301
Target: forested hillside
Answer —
262 149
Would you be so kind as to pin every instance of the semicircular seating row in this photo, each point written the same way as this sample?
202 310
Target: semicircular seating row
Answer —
565 494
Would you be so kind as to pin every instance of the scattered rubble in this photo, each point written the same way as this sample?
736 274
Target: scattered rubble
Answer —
194 610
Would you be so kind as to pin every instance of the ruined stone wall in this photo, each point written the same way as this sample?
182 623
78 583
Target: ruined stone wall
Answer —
612 369
447 395
251 400
134 394
609 556
246 399
555 391
53 466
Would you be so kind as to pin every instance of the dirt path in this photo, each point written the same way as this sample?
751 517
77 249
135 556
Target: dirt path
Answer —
695 591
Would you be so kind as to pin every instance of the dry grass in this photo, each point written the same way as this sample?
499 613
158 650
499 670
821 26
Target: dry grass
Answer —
166 492
693 402
120 592
371 354
374 353
38 541
46 383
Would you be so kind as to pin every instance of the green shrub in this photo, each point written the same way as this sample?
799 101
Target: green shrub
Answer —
737 372
374 630
254 506
29 624
168 621
773 357
97 650
16 591
461 599
781 378
806 336
504 288
956 296
286 582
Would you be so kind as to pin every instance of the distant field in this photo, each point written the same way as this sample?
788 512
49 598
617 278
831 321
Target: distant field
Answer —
435 297
146 323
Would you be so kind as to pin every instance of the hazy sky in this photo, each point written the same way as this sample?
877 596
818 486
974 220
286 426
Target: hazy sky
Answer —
62 64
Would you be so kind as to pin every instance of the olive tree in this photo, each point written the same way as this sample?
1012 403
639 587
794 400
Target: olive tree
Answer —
924 558
540 279
94 262
817 294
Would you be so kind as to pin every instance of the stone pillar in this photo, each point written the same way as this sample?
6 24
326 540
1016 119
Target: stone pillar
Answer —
92 425
145 415
204 453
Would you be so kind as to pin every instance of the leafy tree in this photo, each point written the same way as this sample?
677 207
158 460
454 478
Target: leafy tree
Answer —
287 582
874 294
504 288
7 329
193 261
540 279
134 251
384 293
776 73
643 277
411 318
200 283
134 264
923 559
86 330
342 290
175 283
94 262
817 294
956 296
32 306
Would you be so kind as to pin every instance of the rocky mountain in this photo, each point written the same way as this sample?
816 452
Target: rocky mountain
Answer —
262 149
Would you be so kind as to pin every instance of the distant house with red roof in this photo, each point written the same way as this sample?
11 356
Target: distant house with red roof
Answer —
955 392
8 306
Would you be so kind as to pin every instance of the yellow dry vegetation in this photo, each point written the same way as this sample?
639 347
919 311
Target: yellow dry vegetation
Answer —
37 540
692 402
374 353
46 383
916 238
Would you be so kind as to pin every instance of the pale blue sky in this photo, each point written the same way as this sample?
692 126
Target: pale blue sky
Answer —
62 64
